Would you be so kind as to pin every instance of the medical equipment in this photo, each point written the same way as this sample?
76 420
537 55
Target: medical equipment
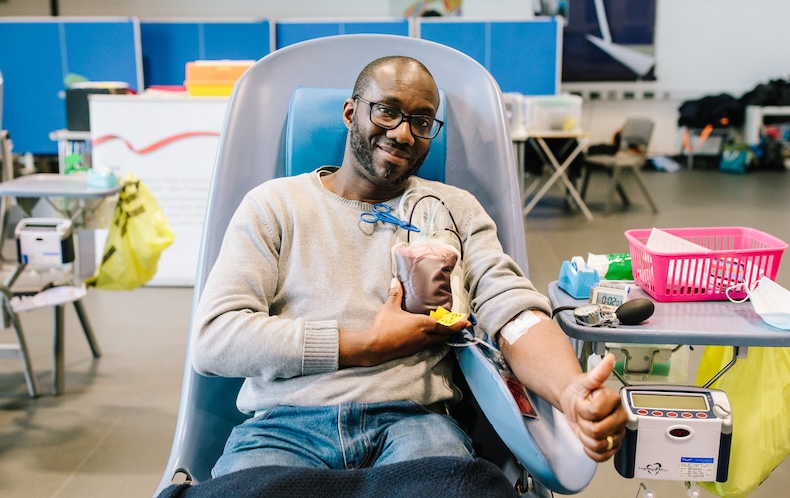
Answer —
433 219
44 242
381 212
629 313
428 265
589 314
680 433
425 271
609 295
770 300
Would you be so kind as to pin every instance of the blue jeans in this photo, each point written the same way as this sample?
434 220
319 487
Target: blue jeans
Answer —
345 436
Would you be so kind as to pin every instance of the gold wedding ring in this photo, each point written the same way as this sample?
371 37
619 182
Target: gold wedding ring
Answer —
609 443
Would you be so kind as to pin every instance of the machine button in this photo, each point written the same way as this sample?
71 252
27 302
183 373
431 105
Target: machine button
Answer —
657 413
702 415
641 411
672 414
686 415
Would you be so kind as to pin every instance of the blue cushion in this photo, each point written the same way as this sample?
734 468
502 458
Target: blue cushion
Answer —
315 134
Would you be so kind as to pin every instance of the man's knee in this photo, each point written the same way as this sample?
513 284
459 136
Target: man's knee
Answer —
425 436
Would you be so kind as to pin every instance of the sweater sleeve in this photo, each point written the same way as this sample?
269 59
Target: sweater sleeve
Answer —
234 332
498 288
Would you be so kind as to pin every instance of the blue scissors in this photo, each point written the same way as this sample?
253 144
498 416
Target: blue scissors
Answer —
381 212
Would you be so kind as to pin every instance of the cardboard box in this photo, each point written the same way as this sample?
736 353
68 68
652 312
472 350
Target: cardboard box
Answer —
214 78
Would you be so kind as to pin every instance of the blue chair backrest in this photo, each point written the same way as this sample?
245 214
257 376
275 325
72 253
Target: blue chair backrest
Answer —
315 134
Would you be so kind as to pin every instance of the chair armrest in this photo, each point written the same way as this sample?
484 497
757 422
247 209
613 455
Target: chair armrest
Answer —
546 446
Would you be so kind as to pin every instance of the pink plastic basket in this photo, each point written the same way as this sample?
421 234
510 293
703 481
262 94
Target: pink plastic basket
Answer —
736 255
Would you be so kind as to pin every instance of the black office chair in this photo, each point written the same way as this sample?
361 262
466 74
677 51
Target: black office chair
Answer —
629 155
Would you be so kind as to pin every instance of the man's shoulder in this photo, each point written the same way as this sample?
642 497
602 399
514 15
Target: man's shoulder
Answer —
444 189
282 185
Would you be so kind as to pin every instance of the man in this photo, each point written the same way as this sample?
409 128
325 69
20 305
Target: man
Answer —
301 303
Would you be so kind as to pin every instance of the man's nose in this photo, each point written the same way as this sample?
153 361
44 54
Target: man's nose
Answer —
402 133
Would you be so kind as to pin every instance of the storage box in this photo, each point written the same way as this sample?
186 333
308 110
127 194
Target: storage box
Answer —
77 115
515 109
44 242
728 256
214 78
554 113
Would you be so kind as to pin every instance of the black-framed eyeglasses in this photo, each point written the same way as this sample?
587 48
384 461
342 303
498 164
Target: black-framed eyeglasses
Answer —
390 118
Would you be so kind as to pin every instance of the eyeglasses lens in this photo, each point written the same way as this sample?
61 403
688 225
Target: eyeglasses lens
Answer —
389 118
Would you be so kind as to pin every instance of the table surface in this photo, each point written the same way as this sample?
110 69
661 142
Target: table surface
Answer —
70 135
695 323
522 135
54 185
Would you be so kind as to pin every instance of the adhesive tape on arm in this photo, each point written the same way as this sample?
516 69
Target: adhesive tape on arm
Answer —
520 326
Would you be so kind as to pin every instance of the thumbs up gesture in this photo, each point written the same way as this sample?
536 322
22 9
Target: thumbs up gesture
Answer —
595 412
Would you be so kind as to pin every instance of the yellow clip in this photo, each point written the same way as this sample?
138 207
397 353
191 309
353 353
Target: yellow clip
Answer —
438 313
447 317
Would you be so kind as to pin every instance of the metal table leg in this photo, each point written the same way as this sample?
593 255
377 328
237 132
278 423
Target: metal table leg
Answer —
559 174
19 349
58 360
86 327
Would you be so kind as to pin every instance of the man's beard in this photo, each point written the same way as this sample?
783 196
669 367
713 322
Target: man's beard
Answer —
361 148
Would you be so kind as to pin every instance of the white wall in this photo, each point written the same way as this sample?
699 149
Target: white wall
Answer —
721 45
24 8
702 47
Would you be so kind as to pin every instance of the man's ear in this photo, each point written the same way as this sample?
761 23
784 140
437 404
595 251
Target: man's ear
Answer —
348 111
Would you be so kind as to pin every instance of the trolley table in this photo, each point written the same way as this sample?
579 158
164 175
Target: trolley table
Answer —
720 323
49 186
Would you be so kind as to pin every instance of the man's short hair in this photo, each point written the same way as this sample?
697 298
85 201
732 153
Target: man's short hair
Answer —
366 75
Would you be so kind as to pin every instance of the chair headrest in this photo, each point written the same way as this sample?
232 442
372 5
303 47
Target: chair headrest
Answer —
315 134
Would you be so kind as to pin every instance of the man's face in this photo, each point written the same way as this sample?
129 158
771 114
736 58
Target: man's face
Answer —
387 172
389 157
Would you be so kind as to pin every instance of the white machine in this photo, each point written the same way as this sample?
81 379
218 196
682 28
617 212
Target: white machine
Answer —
44 242
675 433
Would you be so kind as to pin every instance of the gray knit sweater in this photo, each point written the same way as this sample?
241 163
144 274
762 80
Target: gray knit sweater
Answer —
297 263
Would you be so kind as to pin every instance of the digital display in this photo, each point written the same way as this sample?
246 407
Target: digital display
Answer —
609 299
669 401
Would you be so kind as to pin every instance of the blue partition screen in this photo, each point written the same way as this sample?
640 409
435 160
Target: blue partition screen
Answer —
523 56
168 46
290 32
36 57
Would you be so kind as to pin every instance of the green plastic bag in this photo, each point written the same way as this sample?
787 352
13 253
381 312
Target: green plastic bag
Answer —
138 234
758 387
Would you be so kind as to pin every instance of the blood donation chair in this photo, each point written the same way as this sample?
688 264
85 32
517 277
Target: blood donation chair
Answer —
284 117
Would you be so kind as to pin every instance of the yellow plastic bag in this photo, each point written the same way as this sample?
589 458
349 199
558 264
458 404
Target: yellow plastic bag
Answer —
138 234
758 387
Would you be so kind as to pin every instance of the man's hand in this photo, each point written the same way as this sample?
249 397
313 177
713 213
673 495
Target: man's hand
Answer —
395 333
595 412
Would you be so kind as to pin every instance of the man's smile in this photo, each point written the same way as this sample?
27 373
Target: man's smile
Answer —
395 154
